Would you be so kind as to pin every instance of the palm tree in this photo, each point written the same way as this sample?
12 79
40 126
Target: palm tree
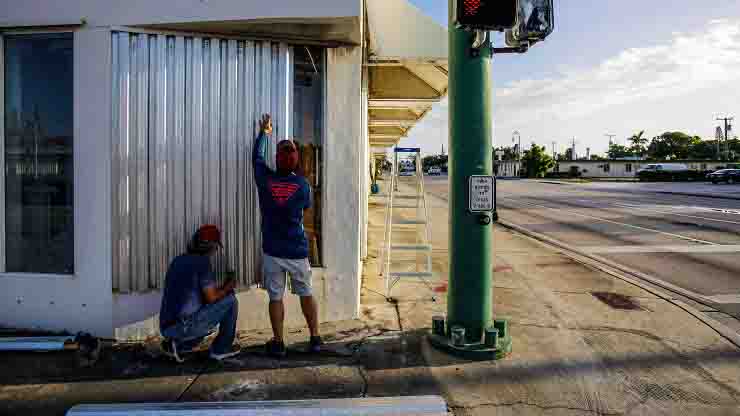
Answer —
638 143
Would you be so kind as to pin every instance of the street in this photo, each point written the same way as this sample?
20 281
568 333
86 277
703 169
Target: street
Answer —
691 242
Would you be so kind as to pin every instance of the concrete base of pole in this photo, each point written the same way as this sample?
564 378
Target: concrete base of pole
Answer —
477 352
496 344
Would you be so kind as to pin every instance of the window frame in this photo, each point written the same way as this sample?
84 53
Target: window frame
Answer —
320 173
3 264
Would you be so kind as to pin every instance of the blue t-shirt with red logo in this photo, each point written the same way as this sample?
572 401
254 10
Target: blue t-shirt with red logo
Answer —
187 277
282 201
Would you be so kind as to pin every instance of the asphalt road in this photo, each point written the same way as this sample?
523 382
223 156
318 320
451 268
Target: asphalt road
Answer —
692 242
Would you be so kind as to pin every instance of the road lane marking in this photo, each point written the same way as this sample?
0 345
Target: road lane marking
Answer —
637 227
674 213
642 249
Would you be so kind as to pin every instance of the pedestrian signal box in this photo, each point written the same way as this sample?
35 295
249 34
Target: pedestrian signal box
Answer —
499 15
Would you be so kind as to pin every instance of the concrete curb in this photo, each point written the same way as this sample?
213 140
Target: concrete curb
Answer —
597 261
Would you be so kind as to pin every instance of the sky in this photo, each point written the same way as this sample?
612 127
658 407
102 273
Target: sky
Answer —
611 67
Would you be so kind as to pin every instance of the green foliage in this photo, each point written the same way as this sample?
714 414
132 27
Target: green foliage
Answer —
617 151
509 152
672 145
434 161
639 143
568 154
536 162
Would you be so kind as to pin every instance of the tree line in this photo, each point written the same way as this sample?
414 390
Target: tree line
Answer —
676 146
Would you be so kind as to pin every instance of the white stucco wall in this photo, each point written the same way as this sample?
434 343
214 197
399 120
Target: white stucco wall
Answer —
343 163
135 316
85 302
595 169
81 302
366 176
141 12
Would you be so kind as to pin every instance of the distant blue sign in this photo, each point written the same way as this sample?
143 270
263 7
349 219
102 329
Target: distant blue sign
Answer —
408 150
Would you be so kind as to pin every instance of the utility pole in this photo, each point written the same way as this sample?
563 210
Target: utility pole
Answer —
514 136
469 329
573 155
611 138
554 155
728 126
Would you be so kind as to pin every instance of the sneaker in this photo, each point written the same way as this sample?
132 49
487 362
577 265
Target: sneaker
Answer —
169 348
315 344
275 349
233 351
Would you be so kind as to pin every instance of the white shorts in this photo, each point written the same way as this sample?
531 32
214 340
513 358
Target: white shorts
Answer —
274 271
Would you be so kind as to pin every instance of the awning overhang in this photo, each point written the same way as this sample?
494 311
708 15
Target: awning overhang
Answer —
407 65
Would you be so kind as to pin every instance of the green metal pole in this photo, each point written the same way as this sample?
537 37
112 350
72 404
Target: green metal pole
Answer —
471 242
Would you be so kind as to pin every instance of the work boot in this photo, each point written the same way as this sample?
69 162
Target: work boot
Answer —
169 348
275 349
314 346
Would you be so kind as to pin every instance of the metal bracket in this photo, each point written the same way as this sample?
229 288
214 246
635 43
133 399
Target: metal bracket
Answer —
480 40
523 48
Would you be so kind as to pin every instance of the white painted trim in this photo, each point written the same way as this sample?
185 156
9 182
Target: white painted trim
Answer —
322 172
37 276
41 31
2 154
4 275
290 40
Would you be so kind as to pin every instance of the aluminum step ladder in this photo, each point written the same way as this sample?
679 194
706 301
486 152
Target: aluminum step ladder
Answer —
407 171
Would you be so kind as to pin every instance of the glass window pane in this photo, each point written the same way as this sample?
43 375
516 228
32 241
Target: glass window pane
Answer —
308 103
38 154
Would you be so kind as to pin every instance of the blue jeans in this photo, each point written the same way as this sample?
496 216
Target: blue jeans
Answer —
189 332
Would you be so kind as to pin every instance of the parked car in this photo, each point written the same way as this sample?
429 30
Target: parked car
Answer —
434 171
669 172
725 175
407 171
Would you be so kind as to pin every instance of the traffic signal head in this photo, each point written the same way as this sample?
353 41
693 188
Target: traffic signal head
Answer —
535 22
496 15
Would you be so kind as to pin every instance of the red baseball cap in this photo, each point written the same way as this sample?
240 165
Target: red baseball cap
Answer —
210 233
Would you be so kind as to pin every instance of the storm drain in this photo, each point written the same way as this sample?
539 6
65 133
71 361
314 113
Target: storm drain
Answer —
617 301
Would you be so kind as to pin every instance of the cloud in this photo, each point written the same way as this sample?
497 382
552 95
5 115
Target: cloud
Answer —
689 62
680 84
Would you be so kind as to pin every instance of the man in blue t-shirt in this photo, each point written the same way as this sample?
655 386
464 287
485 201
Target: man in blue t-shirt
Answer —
193 304
283 196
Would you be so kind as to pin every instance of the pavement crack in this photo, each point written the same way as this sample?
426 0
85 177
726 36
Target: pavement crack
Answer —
537 405
187 388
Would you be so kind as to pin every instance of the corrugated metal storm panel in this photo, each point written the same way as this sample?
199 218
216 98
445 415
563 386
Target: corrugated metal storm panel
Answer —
185 113
386 406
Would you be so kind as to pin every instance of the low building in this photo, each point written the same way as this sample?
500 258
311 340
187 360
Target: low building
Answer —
507 168
624 168
126 125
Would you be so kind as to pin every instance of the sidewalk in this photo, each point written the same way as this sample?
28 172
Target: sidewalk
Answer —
573 354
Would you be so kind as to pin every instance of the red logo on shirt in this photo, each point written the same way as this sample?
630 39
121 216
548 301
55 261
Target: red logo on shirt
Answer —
282 192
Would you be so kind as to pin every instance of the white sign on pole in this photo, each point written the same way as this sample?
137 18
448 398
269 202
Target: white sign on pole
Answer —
480 194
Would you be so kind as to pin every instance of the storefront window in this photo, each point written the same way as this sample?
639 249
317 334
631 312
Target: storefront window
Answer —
38 81
308 130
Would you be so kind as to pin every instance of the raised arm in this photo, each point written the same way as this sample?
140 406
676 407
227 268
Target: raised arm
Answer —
259 154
